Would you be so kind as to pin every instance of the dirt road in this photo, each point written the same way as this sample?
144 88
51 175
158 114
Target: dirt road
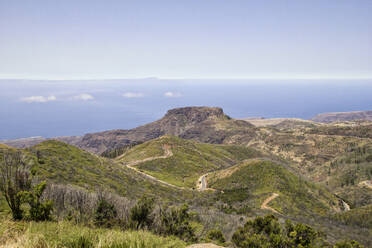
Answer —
267 201
202 183
167 153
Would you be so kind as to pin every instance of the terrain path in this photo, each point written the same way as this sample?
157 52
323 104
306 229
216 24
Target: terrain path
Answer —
367 184
205 245
267 201
167 153
202 183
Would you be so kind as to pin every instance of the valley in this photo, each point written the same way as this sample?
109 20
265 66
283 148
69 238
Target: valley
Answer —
228 171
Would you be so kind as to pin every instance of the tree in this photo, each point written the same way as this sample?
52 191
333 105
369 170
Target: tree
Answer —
267 232
301 235
260 232
140 214
39 211
175 221
14 178
105 214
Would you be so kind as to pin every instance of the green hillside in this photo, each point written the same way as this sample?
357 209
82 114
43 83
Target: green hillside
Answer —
347 173
3 146
61 163
187 160
361 217
351 167
250 183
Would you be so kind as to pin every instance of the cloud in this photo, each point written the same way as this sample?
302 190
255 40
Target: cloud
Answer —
83 97
32 99
133 94
172 94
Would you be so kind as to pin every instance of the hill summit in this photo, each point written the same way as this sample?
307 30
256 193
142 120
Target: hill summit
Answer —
197 114
187 122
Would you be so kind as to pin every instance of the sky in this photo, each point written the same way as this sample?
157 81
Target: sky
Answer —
96 39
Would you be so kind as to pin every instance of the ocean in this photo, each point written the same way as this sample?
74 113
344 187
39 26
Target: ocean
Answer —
62 108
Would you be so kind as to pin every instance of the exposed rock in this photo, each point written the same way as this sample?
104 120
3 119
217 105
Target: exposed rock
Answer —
199 123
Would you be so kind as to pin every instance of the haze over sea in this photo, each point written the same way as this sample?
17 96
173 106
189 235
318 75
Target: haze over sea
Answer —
63 108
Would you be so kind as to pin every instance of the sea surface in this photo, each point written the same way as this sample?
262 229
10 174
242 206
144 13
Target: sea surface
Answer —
62 108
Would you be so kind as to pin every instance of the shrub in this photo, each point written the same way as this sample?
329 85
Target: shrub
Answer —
39 211
217 236
14 179
348 244
175 221
105 214
267 232
140 214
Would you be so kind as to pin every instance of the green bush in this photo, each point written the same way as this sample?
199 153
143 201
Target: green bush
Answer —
14 180
267 232
301 235
217 236
38 211
141 214
348 244
105 215
175 221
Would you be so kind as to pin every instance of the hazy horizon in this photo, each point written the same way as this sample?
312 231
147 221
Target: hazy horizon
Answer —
64 108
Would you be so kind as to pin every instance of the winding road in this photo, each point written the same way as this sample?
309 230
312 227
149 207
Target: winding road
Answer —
167 153
202 183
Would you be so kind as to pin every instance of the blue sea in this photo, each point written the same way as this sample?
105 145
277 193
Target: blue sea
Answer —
62 108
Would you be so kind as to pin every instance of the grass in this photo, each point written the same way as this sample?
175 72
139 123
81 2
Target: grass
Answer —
66 234
189 161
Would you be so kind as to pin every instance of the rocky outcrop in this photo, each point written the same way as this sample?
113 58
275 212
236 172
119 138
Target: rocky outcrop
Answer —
189 122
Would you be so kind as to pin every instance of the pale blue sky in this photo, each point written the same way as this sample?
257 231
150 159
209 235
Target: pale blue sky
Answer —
55 39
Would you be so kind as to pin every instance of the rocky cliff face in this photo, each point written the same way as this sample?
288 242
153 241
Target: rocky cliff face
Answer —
199 123
343 116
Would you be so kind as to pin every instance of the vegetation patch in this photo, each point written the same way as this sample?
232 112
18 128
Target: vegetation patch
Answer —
257 180
189 159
